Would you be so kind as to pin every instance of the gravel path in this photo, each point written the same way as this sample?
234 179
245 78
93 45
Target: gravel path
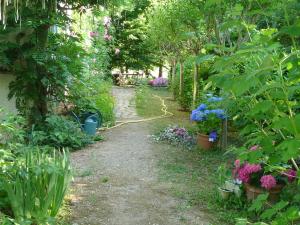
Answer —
116 182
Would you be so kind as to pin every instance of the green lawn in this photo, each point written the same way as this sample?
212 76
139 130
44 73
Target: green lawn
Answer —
193 174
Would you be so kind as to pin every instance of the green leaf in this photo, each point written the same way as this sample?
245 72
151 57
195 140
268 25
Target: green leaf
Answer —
258 203
205 58
269 213
289 149
293 30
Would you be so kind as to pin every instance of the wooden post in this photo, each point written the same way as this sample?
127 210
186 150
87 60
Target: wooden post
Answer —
224 140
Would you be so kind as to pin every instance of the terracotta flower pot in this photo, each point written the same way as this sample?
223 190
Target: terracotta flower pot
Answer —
203 142
252 192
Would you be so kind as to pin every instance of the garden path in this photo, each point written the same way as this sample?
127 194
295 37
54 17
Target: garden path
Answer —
116 181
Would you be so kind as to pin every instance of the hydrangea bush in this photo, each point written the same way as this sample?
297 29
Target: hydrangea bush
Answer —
260 175
208 117
177 136
159 82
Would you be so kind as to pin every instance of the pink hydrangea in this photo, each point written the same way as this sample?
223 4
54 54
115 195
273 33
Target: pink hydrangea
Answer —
291 174
246 171
268 182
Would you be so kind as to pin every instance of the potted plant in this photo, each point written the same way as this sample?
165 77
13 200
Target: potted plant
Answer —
227 185
208 120
260 178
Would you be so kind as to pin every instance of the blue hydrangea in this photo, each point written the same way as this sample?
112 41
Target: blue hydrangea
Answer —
198 116
202 107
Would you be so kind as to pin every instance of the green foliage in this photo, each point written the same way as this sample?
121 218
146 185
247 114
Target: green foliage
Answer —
130 37
35 184
59 132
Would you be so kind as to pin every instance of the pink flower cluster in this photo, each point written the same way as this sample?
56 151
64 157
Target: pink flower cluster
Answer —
254 147
268 182
244 172
107 24
159 82
93 34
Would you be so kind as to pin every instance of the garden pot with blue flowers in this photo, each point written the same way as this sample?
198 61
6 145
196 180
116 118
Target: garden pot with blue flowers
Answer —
209 120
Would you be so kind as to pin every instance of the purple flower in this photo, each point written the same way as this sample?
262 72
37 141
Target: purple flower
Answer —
268 182
213 136
291 174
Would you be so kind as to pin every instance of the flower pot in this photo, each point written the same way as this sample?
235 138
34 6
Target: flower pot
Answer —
252 192
235 188
224 193
203 142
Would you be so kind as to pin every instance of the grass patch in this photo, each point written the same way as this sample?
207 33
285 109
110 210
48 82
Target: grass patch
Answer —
148 106
193 174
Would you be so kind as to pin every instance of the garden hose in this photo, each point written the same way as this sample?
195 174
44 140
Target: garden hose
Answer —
164 110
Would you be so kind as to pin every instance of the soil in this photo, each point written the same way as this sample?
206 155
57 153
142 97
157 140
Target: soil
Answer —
117 182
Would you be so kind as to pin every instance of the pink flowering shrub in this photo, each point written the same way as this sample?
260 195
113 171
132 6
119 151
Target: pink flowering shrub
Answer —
244 173
159 82
255 174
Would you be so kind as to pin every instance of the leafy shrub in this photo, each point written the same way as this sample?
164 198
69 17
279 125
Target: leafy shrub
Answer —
59 132
94 93
177 136
34 184
12 131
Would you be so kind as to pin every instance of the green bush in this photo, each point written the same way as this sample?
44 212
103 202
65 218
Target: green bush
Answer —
33 185
59 132
186 99
93 93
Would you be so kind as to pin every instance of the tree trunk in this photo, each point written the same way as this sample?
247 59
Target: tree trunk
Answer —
41 102
160 72
181 82
195 86
174 72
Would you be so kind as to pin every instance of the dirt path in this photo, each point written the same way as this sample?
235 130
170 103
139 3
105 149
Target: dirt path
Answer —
116 182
